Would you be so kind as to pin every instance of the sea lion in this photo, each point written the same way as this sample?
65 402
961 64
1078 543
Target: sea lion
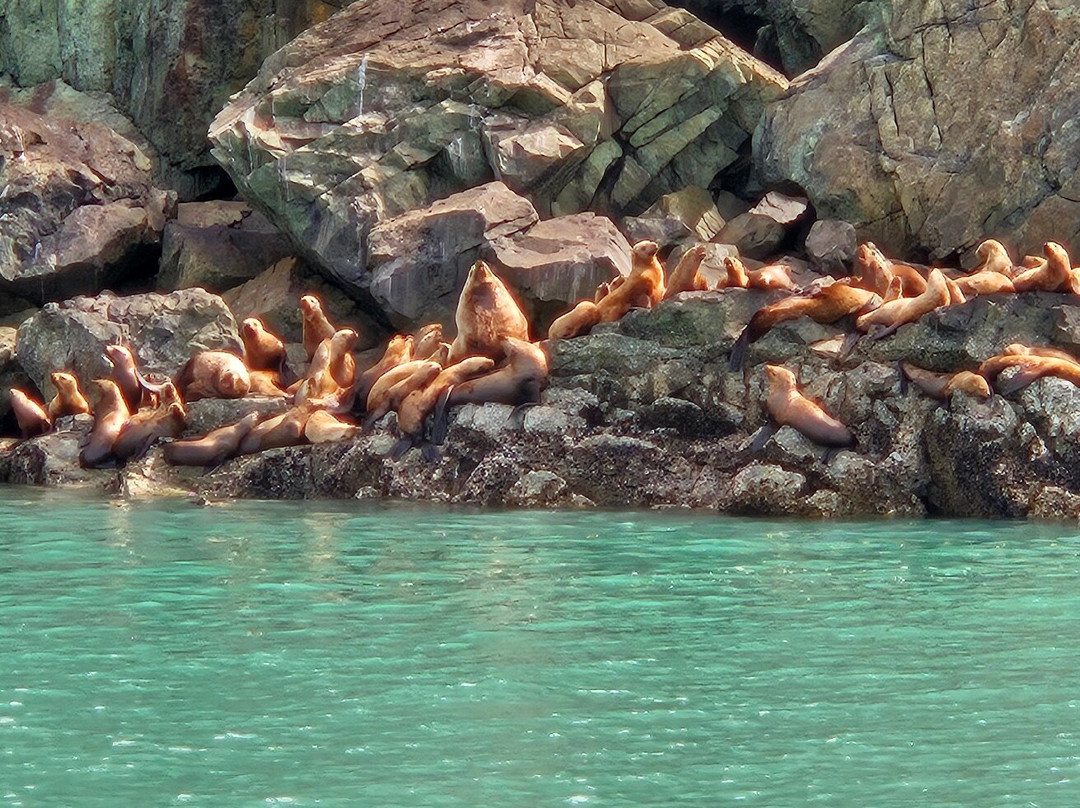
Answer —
137 392
427 340
214 448
286 429
332 368
69 399
826 305
265 383
315 326
644 284
686 277
262 350
771 276
993 257
418 404
1029 367
577 322
519 381
110 415
876 271
1019 349
31 417
486 314
1053 276
985 282
213 374
322 427
398 351
146 427
896 313
942 385
392 387
787 406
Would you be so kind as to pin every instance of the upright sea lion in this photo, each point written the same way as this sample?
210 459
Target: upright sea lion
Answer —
644 285
332 368
286 429
575 323
787 406
213 374
686 277
876 271
486 314
262 350
398 351
1053 276
942 385
148 426
69 399
826 305
392 387
315 326
126 374
993 257
896 313
214 448
29 414
110 415
427 340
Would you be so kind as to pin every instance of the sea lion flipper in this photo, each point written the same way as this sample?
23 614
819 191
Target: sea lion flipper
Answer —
430 452
851 339
440 421
903 378
1017 381
399 449
738 351
762 438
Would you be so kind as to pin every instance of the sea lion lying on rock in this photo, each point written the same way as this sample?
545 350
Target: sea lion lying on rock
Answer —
213 374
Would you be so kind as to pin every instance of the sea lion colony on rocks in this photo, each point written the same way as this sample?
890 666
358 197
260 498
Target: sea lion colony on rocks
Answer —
492 359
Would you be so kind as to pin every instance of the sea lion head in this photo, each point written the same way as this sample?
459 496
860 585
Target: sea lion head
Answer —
310 304
109 391
233 384
971 383
779 377
1055 252
345 339
168 395
644 250
119 356
252 327
64 382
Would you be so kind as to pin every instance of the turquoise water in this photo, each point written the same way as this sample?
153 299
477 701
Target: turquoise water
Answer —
325 654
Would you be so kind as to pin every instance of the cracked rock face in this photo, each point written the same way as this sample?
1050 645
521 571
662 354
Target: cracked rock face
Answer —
945 124
389 108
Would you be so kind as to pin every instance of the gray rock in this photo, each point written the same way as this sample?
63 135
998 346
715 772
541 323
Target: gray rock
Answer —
765 489
830 246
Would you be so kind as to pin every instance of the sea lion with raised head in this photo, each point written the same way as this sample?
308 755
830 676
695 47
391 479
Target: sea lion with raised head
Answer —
398 351
770 276
486 314
332 368
315 327
69 399
262 350
1052 276
787 406
876 271
110 414
687 277
644 285
212 449
993 257
890 316
427 340
213 374
30 415
137 390
825 305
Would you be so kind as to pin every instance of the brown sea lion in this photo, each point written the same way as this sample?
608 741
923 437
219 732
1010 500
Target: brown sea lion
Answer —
30 415
486 314
398 351
993 257
787 406
322 427
69 399
418 404
286 429
146 427
876 271
213 374
262 350
427 340
577 322
896 313
332 368
126 374
686 276
826 305
110 415
315 326
771 276
942 385
1053 276
985 282
265 383
1019 349
644 285
394 386
519 381
1029 367
214 448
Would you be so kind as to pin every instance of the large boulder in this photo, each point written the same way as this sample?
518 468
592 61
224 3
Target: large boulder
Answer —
162 330
387 108
78 207
940 125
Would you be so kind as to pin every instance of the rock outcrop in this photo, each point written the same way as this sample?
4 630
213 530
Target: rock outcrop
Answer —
940 125
388 108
